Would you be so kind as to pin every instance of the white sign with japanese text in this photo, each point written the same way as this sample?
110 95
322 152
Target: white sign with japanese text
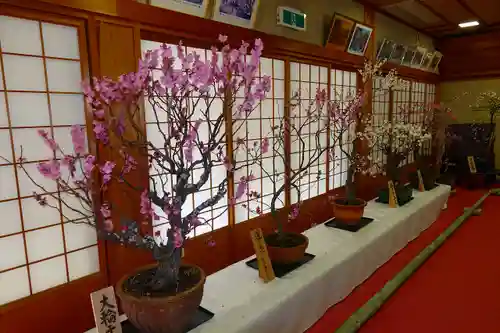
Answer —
106 311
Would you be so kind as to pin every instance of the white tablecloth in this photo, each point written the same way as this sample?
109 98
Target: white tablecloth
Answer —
242 303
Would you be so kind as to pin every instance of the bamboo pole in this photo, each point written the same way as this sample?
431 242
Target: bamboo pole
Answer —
365 312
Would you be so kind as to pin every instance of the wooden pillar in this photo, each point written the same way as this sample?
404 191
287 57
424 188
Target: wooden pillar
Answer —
119 51
364 183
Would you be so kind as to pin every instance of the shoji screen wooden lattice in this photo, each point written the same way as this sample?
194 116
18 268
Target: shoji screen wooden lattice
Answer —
342 85
40 74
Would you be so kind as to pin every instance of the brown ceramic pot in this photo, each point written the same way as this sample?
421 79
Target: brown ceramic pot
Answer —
286 248
348 213
170 314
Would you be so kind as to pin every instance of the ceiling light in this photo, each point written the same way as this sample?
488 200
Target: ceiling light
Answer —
468 24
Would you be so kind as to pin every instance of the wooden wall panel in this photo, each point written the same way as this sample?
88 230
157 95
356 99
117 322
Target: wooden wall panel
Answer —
474 56
118 54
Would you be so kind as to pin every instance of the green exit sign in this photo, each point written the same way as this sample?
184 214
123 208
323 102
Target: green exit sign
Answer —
291 18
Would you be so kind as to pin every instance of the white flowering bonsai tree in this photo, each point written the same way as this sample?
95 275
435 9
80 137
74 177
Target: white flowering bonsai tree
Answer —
351 127
194 136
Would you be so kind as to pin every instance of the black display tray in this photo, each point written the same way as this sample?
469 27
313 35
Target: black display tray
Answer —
201 317
352 227
281 270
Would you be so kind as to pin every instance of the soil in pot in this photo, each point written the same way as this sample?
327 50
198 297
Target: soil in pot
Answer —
137 285
349 210
165 311
286 247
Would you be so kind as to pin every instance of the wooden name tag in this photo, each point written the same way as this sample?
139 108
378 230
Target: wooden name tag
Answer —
421 186
472 164
105 309
393 198
266 272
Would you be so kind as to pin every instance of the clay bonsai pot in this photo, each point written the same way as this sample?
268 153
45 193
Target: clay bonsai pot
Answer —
348 212
286 247
167 313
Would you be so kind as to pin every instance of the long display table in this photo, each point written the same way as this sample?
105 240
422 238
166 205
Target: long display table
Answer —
242 303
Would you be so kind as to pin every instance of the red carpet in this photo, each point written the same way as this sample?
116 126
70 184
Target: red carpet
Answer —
447 294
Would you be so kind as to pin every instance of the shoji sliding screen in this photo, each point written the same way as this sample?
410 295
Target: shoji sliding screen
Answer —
401 110
259 126
380 115
306 79
217 215
343 84
41 67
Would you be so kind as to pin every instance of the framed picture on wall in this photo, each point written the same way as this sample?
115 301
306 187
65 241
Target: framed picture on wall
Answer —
426 62
385 50
236 12
340 31
398 53
434 66
191 7
420 52
408 57
360 39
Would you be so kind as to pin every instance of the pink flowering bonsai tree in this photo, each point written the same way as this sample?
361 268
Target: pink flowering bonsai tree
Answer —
307 131
193 136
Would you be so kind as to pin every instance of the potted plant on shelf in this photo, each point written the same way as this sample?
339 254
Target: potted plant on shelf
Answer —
429 157
162 297
352 133
307 132
398 139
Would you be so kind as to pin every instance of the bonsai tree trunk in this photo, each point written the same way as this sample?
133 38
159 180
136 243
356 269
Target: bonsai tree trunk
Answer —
169 258
350 188
274 213
167 273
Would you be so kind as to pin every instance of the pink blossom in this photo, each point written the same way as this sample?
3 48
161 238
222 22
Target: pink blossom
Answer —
264 146
242 187
129 163
211 243
222 38
195 221
78 138
177 237
105 211
189 141
48 140
101 132
88 165
99 114
50 169
69 162
320 96
294 212
146 207
106 171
